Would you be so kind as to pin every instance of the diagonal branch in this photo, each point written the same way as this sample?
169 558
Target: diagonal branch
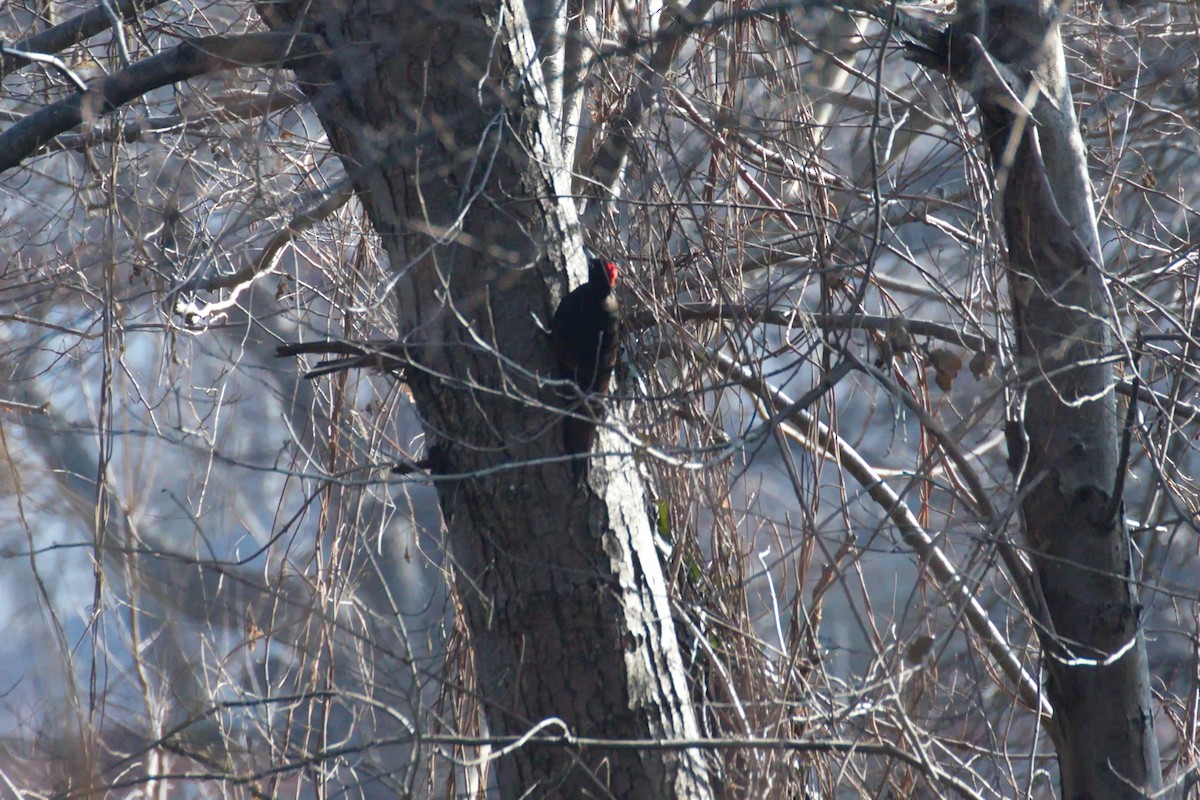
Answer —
42 58
187 60
71 32
197 316
808 430
610 157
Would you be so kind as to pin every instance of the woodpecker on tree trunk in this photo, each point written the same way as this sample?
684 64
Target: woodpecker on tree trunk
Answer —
383 355
584 335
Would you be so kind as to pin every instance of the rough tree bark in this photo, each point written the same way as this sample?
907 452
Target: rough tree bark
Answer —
438 110
1065 431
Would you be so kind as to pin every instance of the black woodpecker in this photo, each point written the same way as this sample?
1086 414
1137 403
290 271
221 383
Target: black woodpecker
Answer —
584 334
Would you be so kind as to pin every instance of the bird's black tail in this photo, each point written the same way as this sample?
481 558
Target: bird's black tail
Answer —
579 434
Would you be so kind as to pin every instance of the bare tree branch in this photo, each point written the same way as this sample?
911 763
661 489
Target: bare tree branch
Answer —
810 430
244 107
42 58
198 315
609 160
187 60
73 31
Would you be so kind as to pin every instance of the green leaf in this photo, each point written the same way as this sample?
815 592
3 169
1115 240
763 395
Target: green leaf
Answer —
664 520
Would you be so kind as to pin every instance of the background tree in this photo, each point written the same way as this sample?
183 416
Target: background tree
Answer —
816 253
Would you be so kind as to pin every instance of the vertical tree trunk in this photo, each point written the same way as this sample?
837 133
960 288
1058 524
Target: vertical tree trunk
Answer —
1064 437
438 111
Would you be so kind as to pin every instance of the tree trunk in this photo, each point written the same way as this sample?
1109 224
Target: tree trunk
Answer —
438 112
1065 431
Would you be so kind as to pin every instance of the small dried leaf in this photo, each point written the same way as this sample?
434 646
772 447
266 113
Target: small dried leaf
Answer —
918 649
898 338
982 365
946 364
